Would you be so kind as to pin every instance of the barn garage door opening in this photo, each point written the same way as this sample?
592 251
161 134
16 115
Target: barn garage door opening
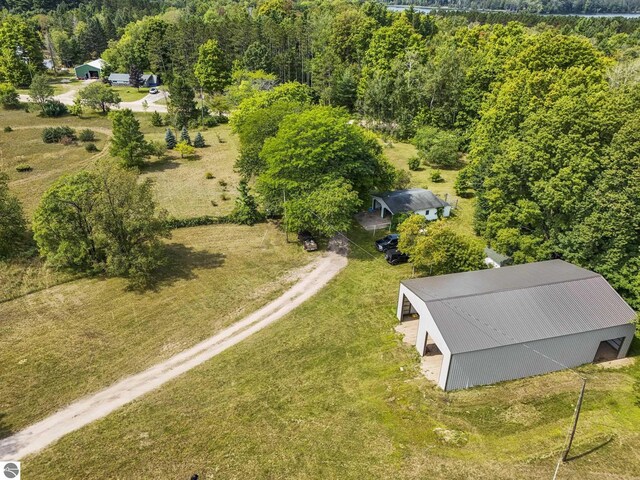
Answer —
608 350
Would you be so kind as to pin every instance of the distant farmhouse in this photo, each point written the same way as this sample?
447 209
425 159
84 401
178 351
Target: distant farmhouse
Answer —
483 327
90 70
415 200
122 79
496 260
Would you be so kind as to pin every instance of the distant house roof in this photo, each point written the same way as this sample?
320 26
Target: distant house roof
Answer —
498 258
401 201
518 304
124 77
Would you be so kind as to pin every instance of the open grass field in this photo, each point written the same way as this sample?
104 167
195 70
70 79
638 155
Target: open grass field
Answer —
48 161
181 185
399 153
330 391
131 94
74 338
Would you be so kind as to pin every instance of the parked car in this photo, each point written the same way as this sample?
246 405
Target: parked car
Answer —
395 257
308 242
153 90
385 243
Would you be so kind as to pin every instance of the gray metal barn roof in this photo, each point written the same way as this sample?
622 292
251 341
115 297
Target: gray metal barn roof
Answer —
400 201
518 304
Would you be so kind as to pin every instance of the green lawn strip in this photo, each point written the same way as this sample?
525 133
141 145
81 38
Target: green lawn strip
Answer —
331 392
131 94
78 337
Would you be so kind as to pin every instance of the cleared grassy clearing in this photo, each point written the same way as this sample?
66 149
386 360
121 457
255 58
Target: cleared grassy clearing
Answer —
75 338
48 161
131 94
398 153
331 392
180 183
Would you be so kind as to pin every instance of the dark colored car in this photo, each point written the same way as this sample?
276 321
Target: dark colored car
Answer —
385 243
395 257
307 241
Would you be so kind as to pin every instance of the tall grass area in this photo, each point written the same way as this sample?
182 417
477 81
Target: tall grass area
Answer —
75 338
331 392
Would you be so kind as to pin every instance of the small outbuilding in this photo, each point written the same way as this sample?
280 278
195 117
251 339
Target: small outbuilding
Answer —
487 326
122 79
415 200
90 70
496 260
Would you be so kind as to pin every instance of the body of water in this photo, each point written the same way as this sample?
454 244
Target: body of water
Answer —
399 8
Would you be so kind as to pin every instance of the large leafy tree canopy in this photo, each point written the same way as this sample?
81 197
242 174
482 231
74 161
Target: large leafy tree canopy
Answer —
12 223
258 117
319 149
101 221
20 51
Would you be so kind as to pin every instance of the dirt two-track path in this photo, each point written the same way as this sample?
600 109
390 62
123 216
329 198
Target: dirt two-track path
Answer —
95 406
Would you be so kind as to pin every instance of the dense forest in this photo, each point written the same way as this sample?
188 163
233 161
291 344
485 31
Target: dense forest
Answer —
532 6
543 111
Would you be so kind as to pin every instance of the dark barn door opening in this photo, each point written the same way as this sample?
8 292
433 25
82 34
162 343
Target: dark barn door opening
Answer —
608 350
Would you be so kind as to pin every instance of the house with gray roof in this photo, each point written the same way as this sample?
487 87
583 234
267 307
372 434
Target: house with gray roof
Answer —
415 200
122 79
487 326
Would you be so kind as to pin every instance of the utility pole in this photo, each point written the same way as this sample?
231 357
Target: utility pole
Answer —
576 415
575 420
286 220
201 108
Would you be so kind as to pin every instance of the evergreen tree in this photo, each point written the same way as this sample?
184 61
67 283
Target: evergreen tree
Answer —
182 106
198 142
156 119
184 136
246 209
128 142
170 139
135 76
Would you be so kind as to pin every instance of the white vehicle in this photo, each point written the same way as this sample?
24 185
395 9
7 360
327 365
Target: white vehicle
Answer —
153 90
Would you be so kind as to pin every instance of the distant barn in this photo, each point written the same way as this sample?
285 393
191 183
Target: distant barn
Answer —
482 327
123 79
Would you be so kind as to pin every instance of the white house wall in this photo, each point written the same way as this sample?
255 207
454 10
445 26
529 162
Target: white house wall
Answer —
494 365
426 325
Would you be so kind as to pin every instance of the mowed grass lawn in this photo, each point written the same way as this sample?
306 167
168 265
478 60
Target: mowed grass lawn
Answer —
24 145
331 392
399 153
59 344
131 94
181 185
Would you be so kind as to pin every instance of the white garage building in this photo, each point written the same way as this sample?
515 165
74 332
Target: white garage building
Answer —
499 324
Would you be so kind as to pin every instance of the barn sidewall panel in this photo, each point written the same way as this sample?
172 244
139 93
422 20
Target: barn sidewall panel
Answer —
483 367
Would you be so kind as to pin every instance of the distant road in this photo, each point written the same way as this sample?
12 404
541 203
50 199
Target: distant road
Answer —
68 97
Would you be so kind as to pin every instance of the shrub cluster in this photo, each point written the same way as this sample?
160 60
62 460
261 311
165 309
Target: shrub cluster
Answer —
57 134
196 221
54 108
87 135
91 147
23 167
